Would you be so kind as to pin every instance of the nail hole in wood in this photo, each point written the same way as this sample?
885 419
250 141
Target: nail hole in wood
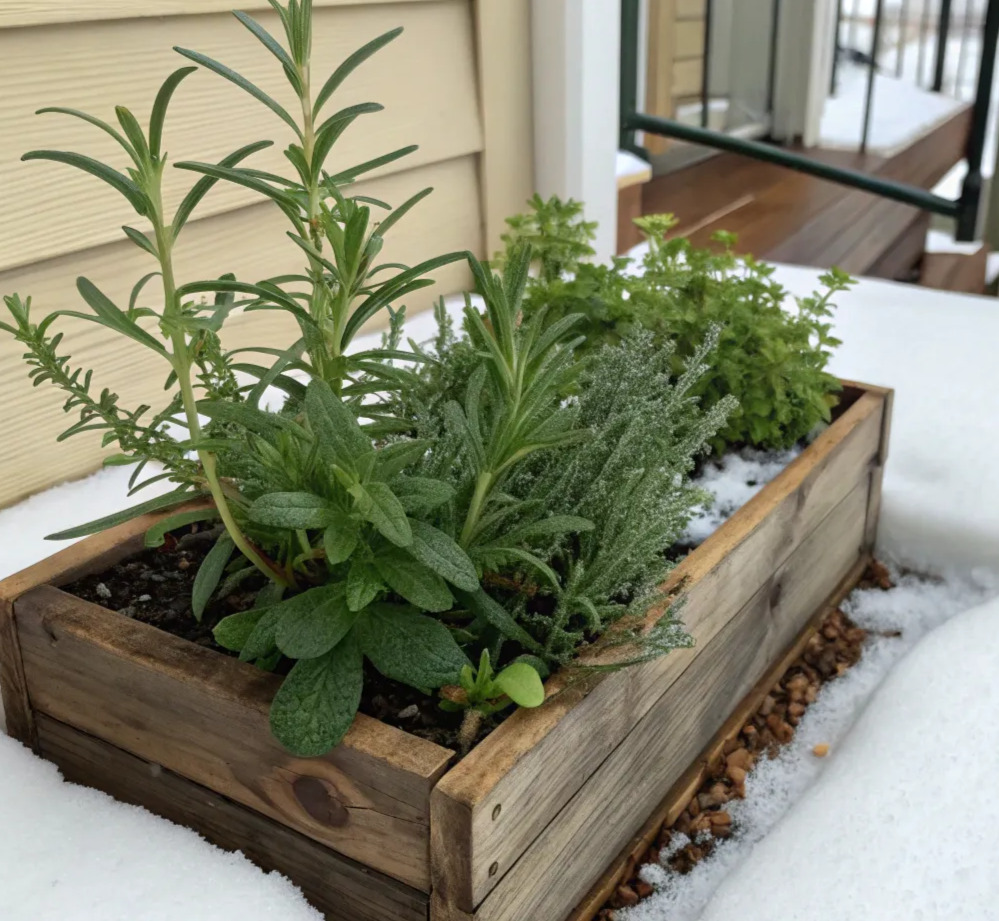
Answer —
494 869
497 809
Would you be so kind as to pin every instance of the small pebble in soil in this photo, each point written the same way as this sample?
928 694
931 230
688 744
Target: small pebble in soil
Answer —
407 713
102 590
145 598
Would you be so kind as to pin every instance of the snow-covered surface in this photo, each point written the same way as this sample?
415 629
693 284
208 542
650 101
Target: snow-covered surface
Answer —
937 241
631 167
74 855
68 853
732 481
888 826
900 112
937 349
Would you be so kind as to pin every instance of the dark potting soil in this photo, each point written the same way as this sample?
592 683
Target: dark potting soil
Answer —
154 587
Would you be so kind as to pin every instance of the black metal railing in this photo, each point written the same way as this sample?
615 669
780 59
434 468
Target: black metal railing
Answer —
964 210
931 35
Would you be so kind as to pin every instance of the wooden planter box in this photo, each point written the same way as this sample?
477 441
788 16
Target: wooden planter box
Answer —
380 829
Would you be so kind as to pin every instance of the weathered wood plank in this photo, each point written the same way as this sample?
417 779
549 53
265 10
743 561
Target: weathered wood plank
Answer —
680 794
205 716
518 767
17 715
615 800
89 555
341 888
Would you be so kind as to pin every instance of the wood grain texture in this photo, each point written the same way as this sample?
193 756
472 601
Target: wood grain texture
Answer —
659 69
342 889
433 105
205 717
680 794
955 271
690 9
19 13
607 810
688 39
688 75
629 207
89 555
521 766
251 243
503 45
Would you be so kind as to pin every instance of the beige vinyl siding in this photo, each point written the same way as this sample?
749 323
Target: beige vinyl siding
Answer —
15 13
425 79
462 97
675 68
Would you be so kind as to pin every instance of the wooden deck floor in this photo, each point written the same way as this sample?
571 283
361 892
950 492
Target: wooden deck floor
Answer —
786 216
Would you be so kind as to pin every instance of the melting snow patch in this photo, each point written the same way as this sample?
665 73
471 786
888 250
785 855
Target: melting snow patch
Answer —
732 481
808 862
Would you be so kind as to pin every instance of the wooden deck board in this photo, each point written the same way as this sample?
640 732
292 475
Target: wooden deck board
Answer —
786 216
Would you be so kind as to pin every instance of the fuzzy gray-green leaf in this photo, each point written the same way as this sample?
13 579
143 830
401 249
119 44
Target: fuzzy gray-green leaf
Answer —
209 574
316 704
410 647
415 581
293 510
307 631
435 549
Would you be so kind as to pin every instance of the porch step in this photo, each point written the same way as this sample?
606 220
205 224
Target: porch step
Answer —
964 272
785 216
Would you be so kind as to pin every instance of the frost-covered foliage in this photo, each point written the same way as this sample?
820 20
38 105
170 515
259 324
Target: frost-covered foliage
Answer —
773 360
630 478
577 537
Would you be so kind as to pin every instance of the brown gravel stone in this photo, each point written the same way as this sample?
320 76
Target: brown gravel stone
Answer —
833 649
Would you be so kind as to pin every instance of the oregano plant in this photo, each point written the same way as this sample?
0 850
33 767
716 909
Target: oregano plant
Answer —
771 356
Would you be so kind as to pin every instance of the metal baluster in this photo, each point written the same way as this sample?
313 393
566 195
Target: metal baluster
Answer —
630 31
835 60
943 30
705 76
971 192
962 54
924 28
871 73
903 28
772 75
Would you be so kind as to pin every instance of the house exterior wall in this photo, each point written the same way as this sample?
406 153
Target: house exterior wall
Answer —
463 99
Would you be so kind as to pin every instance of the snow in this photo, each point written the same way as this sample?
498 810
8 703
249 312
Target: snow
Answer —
901 112
937 349
629 166
732 481
889 825
69 853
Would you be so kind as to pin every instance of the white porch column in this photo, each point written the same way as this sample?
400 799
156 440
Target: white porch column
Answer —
576 48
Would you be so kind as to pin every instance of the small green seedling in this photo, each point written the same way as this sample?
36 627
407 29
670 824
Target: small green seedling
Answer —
481 692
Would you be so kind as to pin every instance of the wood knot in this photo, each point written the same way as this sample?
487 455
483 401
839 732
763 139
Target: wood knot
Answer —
320 801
